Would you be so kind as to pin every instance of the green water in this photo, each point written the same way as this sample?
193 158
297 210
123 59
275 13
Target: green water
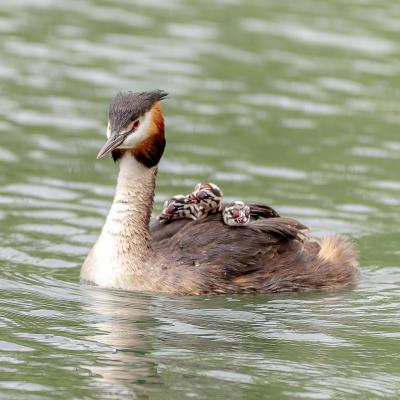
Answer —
295 104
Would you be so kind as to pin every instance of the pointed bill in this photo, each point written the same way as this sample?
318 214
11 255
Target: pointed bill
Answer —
111 144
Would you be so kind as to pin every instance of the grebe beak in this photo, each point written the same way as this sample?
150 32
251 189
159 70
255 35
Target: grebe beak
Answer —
112 143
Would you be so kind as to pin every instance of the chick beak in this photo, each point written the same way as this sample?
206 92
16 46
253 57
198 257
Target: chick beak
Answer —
112 143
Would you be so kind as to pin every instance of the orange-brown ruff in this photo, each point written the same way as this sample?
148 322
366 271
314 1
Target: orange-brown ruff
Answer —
202 256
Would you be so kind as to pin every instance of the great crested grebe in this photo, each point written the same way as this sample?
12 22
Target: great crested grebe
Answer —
205 199
208 196
236 214
177 207
197 256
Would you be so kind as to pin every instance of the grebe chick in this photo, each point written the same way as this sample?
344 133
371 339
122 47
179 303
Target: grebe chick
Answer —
205 199
175 208
236 214
196 256
179 207
208 195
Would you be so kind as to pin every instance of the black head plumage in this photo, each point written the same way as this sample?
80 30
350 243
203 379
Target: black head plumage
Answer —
128 106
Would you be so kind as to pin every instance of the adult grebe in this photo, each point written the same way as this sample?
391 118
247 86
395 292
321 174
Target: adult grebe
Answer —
196 256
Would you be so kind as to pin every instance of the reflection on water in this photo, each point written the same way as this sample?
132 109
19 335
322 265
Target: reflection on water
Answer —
290 103
117 327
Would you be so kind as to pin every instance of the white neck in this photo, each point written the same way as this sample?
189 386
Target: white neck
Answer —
123 247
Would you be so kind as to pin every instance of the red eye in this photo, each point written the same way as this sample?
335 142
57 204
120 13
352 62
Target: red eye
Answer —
136 124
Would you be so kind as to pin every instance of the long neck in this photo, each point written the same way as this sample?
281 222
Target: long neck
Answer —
129 216
123 250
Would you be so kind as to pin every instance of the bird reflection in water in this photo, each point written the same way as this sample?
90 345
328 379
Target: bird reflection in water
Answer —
119 321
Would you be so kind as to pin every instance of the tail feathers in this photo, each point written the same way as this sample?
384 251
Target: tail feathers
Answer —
340 253
338 250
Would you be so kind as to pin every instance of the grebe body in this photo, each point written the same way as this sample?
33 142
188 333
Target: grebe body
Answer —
204 255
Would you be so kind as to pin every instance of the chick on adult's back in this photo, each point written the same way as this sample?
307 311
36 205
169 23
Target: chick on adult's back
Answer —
196 256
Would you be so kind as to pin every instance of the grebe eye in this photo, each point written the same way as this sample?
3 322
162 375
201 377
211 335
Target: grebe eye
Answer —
132 127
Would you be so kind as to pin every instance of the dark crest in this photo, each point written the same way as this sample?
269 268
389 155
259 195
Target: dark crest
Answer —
128 106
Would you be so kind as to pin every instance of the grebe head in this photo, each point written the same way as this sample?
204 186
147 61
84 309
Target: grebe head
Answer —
206 192
136 124
174 208
236 214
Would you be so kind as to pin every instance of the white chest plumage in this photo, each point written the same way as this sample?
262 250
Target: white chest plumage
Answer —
123 245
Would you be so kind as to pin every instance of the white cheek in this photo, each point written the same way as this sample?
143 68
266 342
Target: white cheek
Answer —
108 133
140 134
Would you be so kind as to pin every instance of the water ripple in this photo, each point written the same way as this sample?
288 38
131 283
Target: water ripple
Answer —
294 103
367 44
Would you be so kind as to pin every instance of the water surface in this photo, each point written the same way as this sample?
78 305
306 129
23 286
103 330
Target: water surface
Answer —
290 103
